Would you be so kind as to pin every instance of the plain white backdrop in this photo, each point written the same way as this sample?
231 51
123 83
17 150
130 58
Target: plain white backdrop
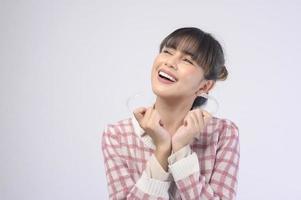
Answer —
68 67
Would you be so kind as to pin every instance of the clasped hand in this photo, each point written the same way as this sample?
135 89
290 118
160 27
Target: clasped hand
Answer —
193 124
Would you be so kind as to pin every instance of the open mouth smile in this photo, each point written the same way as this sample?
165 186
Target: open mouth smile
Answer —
166 77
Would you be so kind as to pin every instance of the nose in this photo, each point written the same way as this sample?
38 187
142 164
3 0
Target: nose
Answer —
172 62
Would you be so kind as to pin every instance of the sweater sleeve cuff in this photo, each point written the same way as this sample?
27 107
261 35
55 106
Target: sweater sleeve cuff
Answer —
185 167
153 187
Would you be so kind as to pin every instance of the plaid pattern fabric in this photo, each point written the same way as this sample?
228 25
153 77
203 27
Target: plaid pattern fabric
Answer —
216 154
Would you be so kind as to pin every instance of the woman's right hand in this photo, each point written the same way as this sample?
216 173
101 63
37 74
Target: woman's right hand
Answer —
150 120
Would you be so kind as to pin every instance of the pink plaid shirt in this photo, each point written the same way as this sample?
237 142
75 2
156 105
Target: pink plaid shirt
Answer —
205 169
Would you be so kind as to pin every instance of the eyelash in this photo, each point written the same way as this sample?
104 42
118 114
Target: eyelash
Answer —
186 60
165 51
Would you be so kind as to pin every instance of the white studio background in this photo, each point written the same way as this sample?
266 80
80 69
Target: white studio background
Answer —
68 67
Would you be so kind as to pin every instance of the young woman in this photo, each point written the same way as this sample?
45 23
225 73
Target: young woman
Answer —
173 149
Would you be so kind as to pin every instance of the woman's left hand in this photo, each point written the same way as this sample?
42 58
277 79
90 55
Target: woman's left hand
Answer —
194 123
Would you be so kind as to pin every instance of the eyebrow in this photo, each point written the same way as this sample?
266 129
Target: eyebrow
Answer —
188 53
183 51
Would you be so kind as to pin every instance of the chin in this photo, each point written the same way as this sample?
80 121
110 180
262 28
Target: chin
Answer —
163 93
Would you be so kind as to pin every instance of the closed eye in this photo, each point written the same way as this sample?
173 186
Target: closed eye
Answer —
189 61
166 51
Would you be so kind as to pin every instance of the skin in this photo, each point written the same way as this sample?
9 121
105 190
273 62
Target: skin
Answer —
170 122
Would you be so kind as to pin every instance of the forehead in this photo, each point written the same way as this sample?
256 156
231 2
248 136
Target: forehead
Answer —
185 44
183 51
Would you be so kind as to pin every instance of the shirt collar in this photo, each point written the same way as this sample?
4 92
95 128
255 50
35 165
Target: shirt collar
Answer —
137 128
140 132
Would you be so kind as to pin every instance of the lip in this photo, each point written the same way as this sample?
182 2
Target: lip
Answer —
164 81
169 73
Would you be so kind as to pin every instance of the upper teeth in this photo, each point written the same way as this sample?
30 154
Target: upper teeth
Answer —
167 76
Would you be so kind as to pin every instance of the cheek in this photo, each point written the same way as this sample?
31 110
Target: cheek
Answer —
154 71
190 72
192 77
156 63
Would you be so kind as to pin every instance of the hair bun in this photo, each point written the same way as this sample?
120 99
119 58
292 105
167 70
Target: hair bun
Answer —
223 74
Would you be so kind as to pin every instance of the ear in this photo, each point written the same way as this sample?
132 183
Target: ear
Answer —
205 86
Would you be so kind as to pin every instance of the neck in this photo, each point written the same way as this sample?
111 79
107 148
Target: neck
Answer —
172 112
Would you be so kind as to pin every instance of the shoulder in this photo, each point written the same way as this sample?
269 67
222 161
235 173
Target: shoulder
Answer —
227 134
223 127
226 123
119 128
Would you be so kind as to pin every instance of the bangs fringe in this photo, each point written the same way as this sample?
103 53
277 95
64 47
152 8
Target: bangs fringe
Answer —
198 44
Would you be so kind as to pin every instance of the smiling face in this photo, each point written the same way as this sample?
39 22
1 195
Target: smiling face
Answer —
176 75
189 64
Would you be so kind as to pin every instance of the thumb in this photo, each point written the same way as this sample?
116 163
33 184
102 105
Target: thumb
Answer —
185 123
139 113
207 116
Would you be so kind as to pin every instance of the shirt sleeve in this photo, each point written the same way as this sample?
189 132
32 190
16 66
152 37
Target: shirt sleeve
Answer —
155 170
223 182
121 184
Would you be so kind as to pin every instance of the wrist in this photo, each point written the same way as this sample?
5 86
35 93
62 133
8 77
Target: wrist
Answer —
162 154
177 146
164 146
164 149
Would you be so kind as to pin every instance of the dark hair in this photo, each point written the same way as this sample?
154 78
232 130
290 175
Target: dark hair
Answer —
204 49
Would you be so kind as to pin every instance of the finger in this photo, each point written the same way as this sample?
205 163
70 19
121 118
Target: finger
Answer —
196 114
200 117
206 113
161 123
156 117
185 120
190 121
148 114
207 116
195 120
139 113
